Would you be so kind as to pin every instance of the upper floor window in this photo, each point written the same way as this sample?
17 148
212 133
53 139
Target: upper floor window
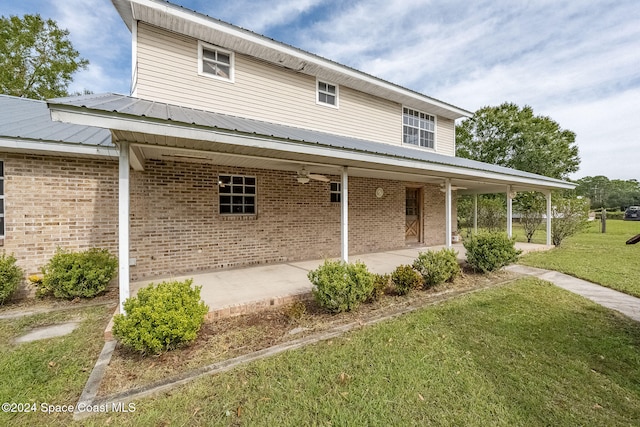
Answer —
237 194
418 128
215 62
327 94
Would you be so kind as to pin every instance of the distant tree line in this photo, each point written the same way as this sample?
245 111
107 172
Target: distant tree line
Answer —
609 193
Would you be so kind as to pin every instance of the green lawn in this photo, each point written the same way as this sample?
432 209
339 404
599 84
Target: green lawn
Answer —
597 257
52 371
523 354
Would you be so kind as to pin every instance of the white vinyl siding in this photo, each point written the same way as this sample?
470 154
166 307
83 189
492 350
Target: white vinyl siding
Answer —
168 72
445 136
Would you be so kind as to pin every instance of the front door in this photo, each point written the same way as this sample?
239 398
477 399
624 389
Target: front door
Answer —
412 225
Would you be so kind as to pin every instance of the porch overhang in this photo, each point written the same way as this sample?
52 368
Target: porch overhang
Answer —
166 132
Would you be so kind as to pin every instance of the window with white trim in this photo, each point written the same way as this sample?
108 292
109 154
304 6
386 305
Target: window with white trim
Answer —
336 191
237 194
327 94
215 62
1 199
418 128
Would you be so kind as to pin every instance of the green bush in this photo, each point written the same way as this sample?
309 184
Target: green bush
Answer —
161 317
437 267
380 284
339 286
490 251
10 277
405 278
611 215
78 274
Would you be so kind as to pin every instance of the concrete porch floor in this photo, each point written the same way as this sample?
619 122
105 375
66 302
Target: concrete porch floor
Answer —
243 290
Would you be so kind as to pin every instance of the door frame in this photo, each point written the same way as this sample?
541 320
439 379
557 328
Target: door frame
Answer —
420 202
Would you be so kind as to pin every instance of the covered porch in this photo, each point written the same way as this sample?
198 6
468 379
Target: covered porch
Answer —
181 161
243 290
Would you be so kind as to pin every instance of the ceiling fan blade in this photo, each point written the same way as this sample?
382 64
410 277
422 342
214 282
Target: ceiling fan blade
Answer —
318 177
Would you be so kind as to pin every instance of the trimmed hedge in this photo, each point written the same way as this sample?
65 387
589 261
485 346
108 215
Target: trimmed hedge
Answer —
437 267
339 286
83 274
490 251
161 317
10 277
405 278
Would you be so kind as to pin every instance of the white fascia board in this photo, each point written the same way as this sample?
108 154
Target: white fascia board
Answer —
190 16
25 146
142 125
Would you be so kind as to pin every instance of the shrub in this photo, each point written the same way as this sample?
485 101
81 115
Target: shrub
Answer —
78 274
437 267
569 216
380 284
405 278
161 317
295 311
490 251
339 286
10 277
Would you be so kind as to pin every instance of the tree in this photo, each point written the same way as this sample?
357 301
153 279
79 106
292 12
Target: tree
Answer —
531 206
615 193
570 215
514 137
37 58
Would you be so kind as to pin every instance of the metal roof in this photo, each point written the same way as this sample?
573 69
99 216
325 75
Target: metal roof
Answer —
178 19
30 119
126 106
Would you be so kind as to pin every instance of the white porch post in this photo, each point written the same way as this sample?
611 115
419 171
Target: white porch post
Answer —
475 214
548 197
447 212
509 212
123 223
344 215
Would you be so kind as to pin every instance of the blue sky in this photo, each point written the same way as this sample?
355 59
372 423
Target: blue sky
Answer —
577 62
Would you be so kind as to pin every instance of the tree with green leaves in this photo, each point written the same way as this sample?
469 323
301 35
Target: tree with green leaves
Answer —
37 59
510 136
570 215
531 207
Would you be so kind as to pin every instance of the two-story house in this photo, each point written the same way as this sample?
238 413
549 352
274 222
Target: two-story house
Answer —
236 149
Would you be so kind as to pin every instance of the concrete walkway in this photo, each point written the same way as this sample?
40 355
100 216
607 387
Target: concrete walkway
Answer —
625 304
243 290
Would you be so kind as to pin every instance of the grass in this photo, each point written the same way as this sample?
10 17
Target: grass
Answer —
600 258
522 354
51 371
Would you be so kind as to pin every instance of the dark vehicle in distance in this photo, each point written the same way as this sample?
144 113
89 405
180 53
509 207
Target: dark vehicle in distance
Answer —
632 213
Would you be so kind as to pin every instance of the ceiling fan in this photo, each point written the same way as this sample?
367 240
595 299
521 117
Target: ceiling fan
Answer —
304 176
453 188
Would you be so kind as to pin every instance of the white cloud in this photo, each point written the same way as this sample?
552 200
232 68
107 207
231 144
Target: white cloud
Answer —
259 16
99 34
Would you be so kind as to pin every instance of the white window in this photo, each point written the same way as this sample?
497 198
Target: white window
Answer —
336 190
327 94
215 62
418 128
1 199
237 194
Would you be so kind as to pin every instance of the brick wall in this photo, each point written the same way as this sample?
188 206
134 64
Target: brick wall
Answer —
175 225
55 202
